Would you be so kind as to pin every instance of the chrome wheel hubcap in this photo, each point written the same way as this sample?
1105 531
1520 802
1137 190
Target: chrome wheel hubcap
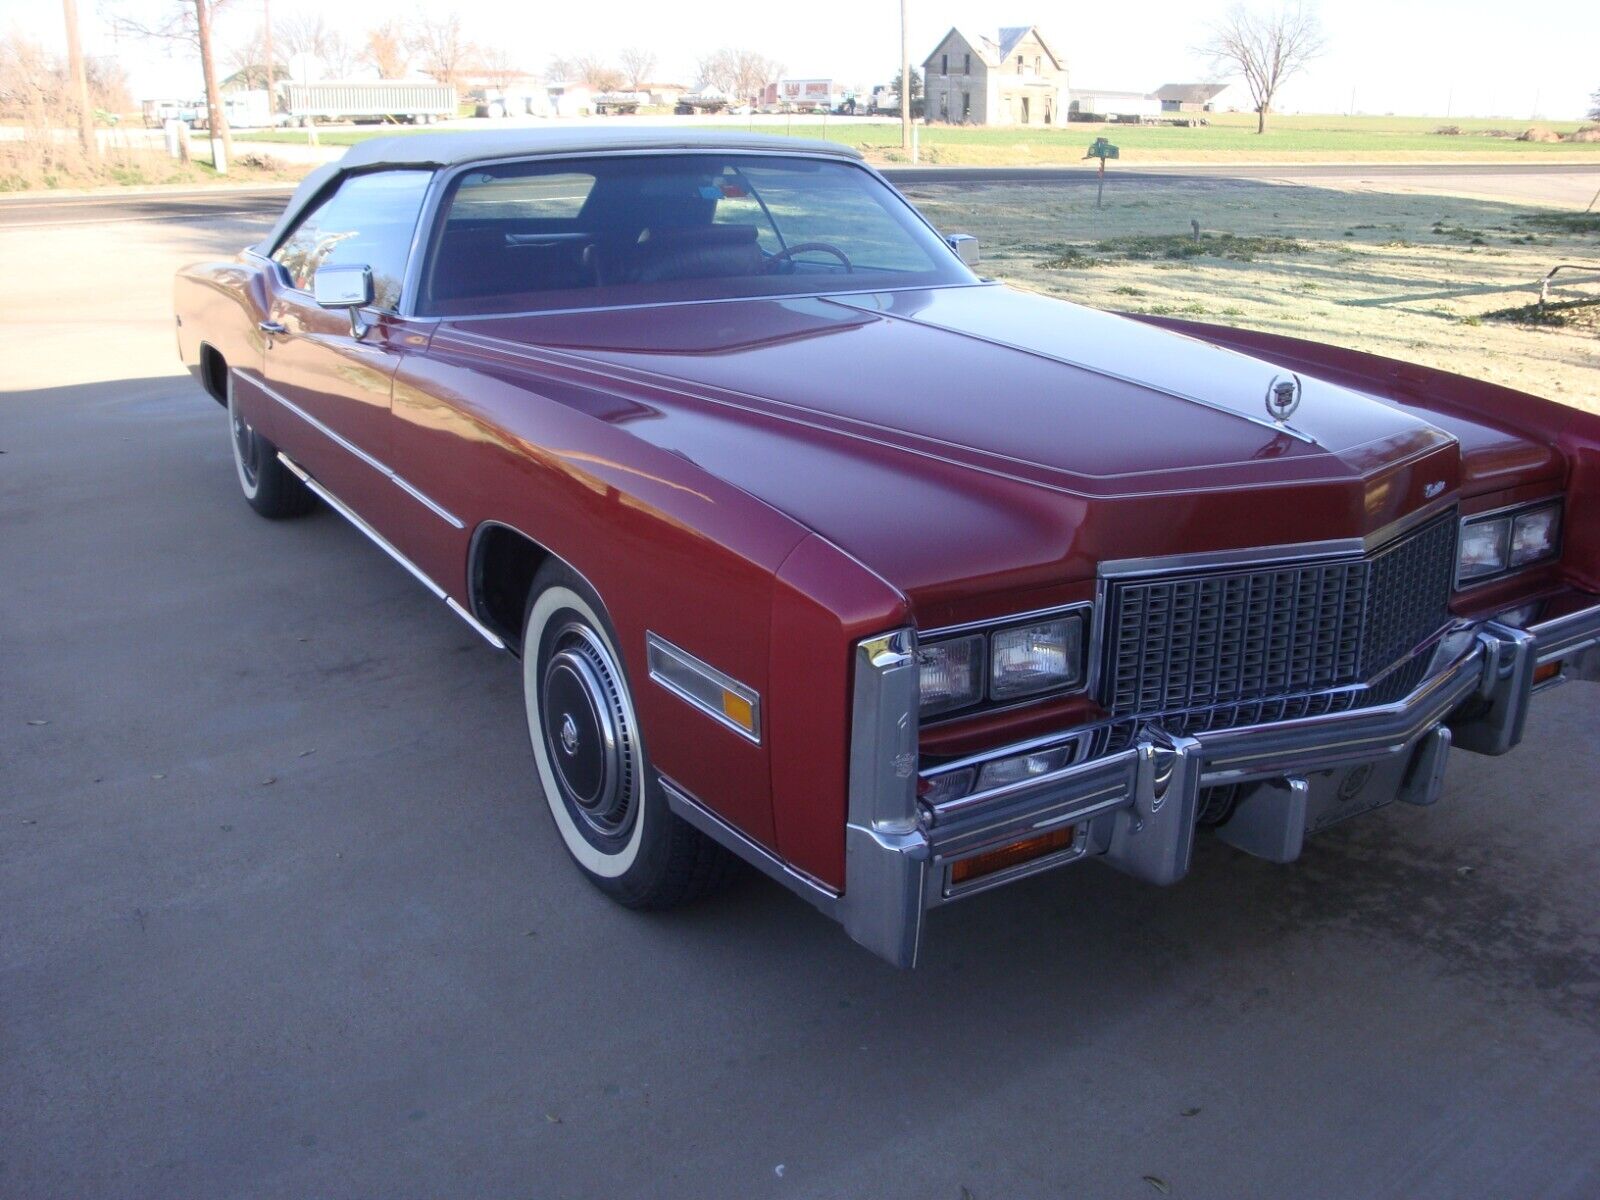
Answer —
588 731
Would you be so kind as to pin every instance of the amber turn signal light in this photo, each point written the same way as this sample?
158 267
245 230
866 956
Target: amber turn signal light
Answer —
1026 850
1546 672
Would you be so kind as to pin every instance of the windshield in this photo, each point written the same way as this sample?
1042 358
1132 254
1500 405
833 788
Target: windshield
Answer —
583 233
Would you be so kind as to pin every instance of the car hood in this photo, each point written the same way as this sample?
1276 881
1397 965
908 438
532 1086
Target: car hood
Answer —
956 435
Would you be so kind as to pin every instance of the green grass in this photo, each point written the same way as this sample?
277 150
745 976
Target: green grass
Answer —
1229 137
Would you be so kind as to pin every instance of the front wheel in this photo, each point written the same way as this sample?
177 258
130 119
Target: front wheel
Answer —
269 486
590 753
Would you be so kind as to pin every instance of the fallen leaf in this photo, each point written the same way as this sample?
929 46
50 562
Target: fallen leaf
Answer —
307 753
1191 1112
552 1118
778 1170
1158 1183
158 775
269 781
38 722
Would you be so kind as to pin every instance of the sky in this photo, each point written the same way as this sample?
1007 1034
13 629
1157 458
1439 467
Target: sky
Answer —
1424 57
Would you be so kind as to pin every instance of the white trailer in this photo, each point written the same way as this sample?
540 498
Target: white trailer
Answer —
367 101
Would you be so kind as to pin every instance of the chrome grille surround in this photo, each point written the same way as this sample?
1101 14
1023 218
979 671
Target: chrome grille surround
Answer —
1210 647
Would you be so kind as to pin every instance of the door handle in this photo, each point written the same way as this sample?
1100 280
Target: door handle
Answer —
272 327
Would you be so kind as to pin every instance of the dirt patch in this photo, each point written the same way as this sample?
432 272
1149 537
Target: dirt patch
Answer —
1564 222
1578 315
1238 247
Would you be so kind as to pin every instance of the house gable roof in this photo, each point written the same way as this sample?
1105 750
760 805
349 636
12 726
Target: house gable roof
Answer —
993 52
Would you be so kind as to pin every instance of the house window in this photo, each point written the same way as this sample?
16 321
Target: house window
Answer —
966 107
944 64
1019 64
1037 65
944 106
966 64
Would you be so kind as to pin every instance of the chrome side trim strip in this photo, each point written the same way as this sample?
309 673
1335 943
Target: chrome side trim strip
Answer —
346 444
691 679
757 855
431 505
383 543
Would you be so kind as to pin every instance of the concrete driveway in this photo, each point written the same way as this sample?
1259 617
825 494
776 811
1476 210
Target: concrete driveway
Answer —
284 916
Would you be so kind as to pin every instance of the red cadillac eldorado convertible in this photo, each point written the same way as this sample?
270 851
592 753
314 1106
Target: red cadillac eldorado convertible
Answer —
819 549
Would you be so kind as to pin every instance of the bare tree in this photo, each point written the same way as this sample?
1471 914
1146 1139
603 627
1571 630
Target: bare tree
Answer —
598 74
637 66
188 23
1265 47
561 68
716 70
442 47
308 35
339 55
740 73
387 50
497 67
1594 113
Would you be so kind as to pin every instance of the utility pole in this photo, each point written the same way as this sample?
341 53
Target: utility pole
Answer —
216 115
266 25
80 83
905 79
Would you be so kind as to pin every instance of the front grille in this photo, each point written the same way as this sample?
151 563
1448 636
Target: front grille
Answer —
1212 649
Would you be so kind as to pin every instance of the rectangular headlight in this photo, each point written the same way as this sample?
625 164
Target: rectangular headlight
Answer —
1485 548
951 673
1534 535
1041 657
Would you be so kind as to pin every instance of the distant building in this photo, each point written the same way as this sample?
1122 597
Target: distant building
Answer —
1013 79
1190 97
1085 104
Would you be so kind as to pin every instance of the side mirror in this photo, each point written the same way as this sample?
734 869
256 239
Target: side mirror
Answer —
965 246
347 287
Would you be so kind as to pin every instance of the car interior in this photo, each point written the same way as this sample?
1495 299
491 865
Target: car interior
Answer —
638 229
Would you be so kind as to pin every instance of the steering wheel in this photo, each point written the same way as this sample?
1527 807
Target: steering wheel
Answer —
788 252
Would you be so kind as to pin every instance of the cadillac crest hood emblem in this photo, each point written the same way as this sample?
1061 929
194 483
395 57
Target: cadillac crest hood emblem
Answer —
1283 397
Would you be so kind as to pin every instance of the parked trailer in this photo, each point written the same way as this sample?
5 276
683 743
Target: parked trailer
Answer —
368 101
624 104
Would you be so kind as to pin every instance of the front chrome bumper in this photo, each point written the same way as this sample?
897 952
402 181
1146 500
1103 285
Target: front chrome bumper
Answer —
1138 808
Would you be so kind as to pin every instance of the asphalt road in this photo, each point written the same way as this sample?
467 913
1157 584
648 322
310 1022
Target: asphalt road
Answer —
213 203
284 915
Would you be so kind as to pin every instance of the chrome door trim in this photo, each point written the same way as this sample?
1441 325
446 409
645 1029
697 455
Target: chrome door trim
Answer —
383 543
344 443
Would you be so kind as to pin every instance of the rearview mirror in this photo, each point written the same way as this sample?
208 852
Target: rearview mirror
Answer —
965 246
348 287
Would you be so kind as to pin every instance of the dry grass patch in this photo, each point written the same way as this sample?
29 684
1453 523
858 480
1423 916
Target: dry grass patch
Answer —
1423 278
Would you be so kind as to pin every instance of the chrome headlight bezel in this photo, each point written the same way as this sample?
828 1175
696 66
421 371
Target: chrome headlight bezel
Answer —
1077 621
1503 524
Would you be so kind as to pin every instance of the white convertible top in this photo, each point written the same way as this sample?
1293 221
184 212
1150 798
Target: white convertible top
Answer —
449 149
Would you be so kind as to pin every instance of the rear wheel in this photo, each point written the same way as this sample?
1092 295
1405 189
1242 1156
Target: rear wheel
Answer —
269 486
602 793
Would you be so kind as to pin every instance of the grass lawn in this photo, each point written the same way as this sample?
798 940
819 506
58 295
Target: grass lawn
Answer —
1230 137
1433 279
